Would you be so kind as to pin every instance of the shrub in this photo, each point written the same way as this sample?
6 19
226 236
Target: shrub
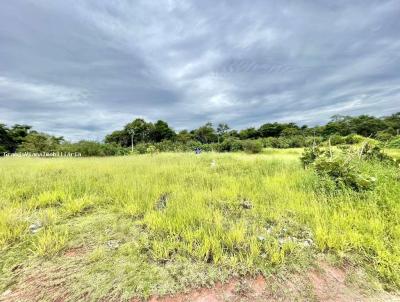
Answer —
230 145
337 140
353 139
151 149
395 143
372 151
141 148
205 147
384 136
269 142
309 155
296 141
90 148
192 145
170 146
252 147
343 173
282 143
340 168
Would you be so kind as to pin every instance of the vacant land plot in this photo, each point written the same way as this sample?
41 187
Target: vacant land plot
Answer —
134 227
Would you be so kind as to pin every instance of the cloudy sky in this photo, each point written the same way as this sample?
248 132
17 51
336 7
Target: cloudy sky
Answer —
84 68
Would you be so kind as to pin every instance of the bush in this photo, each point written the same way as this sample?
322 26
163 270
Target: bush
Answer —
395 143
151 149
341 166
230 145
309 155
343 173
269 142
296 141
168 146
89 148
353 139
384 136
337 140
141 148
192 145
252 146
371 151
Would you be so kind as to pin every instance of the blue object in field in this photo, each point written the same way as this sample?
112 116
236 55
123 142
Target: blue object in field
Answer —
197 150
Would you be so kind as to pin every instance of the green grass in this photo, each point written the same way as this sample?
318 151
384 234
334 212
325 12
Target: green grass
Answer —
393 152
157 224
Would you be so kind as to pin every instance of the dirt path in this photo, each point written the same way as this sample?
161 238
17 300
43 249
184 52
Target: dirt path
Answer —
324 283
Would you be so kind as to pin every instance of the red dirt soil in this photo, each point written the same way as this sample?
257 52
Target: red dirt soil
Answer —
325 283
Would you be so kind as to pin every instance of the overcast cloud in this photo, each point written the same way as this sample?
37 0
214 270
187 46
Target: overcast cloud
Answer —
85 68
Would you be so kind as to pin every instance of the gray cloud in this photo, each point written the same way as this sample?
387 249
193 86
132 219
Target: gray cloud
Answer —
84 68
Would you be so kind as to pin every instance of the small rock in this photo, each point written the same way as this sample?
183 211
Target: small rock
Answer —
282 241
113 244
261 238
6 293
16 267
213 164
246 204
35 227
308 242
162 201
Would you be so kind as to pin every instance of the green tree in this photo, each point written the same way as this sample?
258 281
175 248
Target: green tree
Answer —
184 136
222 129
339 124
392 122
40 142
138 129
119 137
141 130
290 129
206 134
6 141
249 133
366 125
276 129
161 131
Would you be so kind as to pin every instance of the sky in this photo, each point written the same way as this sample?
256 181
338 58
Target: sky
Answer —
82 69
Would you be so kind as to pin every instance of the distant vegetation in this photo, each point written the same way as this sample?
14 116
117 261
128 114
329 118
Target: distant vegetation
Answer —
140 136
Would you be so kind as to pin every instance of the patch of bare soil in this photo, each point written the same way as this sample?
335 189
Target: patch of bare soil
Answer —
46 283
78 251
329 284
244 290
37 288
43 285
325 283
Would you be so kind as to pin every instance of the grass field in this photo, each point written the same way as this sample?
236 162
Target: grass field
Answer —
136 226
394 153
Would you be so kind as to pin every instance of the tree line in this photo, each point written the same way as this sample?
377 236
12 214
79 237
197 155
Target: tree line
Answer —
140 131
139 135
